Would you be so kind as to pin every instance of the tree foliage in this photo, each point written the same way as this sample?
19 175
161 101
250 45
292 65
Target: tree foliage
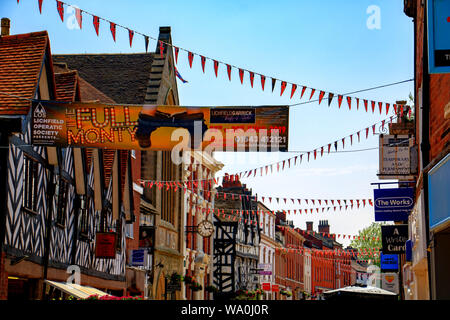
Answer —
368 239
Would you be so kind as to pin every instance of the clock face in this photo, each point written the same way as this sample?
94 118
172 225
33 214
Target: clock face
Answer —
205 228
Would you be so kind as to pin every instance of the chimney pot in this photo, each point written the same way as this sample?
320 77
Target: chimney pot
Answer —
5 25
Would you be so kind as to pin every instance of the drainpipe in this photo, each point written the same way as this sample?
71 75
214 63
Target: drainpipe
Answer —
425 145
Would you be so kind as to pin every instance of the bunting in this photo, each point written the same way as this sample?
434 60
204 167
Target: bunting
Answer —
242 71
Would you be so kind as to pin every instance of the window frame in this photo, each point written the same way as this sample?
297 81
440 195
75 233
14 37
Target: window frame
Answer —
30 185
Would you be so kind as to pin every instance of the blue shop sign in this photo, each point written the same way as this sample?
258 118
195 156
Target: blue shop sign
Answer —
138 258
389 262
393 204
438 16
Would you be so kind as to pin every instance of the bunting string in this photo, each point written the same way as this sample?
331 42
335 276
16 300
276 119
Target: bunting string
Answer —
298 159
283 84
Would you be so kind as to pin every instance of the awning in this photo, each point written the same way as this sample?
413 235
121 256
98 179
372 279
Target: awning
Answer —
76 290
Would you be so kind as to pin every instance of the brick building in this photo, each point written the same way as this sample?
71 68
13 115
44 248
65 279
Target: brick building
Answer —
328 266
199 205
426 274
290 264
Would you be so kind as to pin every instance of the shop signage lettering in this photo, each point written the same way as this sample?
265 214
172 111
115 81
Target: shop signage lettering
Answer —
394 238
152 127
393 204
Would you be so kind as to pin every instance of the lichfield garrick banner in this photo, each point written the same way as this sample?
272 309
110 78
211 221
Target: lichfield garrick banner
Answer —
150 127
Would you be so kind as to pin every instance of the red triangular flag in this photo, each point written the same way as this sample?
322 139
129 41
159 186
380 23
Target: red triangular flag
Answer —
112 27
229 71
252 77
273 83
373 106
263 81
60 8
241 75
294 87
176 53
40 6
216 67
203 60
190 58
380 104
303 91
130 35
357 103
365 103
312 93
96 22
321 94
367 132
349 101
79 16
340 97
283 87
387 108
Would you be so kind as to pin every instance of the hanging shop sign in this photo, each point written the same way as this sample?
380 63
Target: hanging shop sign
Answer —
396 157
439 200
394 238
393 204
146 237
389 262
265 269
160 127
139 258
105 245
266 286
275 288
438 16
389 282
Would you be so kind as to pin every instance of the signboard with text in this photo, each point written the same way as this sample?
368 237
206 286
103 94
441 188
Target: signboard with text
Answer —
393 204
105 245
265 269
394 238
438 27
389 262
395 157
151 127
389 282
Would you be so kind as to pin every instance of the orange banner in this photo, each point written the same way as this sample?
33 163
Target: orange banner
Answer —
160 127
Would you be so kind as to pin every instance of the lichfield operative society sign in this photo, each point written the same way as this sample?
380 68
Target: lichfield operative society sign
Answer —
152 127
393 204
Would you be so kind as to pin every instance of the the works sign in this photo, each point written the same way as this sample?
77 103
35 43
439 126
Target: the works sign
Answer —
262 128
393 204
394 238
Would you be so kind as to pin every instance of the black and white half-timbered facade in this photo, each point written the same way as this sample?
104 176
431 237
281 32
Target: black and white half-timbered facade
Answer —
55 199
237 236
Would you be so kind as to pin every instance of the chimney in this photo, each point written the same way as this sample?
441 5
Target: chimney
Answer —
309 226
324 226
6 23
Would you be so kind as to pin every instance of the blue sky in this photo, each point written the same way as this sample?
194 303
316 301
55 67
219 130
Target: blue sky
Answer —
321 44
